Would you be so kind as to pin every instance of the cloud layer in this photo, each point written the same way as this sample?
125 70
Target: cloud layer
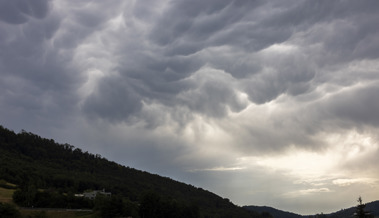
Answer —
208 92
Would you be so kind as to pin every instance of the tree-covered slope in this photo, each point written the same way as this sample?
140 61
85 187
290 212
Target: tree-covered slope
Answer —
28 160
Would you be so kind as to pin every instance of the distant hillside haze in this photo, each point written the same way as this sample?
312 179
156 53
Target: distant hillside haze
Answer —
34 163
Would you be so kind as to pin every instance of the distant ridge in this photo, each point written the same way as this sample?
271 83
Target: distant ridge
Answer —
372 207
274 212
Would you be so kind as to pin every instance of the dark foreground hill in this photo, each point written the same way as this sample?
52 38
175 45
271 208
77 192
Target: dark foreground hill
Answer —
49 174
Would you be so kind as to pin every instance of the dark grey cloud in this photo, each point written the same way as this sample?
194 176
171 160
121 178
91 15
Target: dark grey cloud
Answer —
289 53
357 107
198 25
38 84
19 11
184 37
114 100
213 98
290 74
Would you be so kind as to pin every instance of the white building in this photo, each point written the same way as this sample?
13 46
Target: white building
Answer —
92 195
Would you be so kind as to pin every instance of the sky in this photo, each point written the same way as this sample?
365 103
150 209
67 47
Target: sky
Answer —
263 102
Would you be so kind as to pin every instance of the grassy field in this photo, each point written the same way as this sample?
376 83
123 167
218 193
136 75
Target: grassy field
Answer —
58 214
5 183
6 195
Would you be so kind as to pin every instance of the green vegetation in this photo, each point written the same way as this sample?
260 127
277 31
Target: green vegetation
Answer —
8 210
48 174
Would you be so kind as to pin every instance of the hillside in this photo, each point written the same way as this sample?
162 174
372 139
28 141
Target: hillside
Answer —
372 207
274 212
60 170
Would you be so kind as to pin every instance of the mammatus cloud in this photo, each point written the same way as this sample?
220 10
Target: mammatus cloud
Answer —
252 91
19 11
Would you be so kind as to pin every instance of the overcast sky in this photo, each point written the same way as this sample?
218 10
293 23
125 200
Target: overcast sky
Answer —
263 102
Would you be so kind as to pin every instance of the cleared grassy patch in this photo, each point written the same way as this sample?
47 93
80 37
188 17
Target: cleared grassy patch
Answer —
58 214
6 195
5 184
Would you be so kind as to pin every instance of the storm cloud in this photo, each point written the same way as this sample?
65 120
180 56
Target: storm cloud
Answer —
185 88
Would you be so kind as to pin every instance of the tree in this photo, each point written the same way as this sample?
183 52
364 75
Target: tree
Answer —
266 215
150 205
7 210
25 196
359 211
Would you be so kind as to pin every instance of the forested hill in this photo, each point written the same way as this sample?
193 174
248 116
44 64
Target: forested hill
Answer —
29 160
